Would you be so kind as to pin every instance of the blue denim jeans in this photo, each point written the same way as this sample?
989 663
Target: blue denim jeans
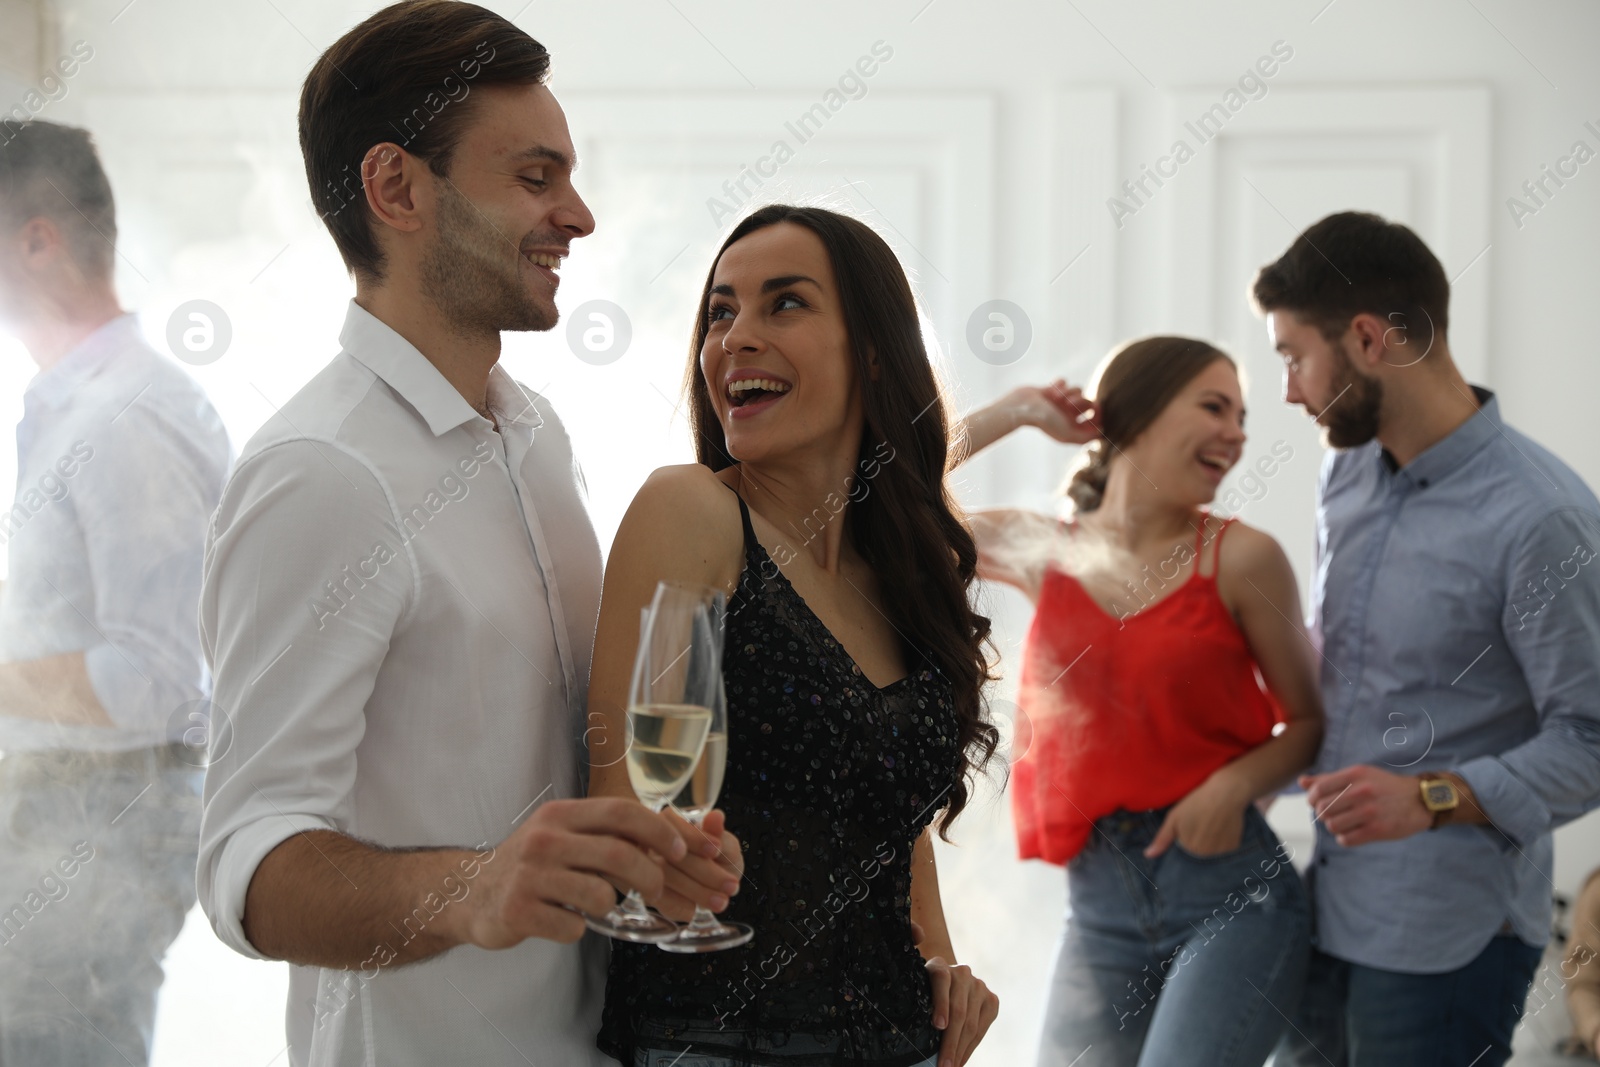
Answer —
97 857
1180 960
1355 1016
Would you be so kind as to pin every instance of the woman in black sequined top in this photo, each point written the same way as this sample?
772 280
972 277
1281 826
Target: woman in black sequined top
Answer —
853 666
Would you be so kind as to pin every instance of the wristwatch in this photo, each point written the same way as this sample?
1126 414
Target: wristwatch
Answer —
1440 797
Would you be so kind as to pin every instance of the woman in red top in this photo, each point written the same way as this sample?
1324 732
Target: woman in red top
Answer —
1169 683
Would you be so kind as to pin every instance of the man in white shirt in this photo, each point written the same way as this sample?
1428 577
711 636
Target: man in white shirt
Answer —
120 460
401 591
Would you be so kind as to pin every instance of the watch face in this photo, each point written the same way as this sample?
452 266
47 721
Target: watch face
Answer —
1440 794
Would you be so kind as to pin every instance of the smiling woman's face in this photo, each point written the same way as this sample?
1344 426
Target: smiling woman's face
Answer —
776 358
1197 438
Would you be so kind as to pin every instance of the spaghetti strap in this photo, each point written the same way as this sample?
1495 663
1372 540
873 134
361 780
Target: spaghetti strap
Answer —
744 517
1215 542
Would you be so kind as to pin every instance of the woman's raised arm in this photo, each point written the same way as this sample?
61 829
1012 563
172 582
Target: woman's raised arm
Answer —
1060 410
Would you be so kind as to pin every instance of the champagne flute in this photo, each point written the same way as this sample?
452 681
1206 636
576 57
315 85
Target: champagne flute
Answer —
676 677
705 933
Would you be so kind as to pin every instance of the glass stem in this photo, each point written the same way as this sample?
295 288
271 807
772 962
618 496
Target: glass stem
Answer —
703 918
634 907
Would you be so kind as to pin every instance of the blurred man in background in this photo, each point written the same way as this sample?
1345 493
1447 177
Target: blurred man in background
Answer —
120 462
1457 609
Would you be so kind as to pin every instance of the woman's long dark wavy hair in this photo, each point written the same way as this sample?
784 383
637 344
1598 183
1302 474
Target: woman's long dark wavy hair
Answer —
908 528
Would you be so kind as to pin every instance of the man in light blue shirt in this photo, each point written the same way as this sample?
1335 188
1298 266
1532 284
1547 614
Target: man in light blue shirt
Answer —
120 461
1456 601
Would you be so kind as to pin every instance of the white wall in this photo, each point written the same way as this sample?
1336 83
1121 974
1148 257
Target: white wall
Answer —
985 150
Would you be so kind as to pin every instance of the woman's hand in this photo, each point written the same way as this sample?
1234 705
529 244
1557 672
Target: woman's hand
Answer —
709 872
1060 410
1207 822
963 1007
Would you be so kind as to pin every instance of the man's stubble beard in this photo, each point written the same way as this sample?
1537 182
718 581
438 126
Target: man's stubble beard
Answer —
1352 416
473 273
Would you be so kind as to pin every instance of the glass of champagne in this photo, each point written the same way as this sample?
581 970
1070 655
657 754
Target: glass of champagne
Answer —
677 676
705 933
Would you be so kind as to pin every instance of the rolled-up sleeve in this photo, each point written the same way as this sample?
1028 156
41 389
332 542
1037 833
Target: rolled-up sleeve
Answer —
142 498
306 579
1552 626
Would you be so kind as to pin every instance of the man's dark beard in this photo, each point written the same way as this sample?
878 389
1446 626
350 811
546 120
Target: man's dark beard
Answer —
473 272
1351 418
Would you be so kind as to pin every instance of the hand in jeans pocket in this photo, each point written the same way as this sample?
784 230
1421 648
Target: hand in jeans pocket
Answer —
1208 822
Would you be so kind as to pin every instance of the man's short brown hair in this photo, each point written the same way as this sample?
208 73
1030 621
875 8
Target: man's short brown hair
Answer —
404 76
52 171
1353 263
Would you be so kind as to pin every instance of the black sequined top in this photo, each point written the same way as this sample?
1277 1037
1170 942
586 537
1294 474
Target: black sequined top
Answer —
830 781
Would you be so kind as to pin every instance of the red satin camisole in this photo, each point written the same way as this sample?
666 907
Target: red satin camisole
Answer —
1129 711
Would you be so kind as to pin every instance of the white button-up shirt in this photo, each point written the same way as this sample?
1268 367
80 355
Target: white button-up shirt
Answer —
120 460
399 610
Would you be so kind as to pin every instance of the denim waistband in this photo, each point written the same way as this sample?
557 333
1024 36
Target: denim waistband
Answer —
1136 829
1132 828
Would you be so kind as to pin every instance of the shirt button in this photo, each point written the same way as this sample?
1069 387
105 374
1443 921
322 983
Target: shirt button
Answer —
1323 861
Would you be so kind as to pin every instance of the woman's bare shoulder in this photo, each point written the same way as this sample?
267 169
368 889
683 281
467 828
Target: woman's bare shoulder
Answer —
1251 552
684 522
695 479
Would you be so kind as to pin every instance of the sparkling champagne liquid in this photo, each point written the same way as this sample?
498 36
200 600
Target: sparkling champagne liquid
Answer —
667 739
699 793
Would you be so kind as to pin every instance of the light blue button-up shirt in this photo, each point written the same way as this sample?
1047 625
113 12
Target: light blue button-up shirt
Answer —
120 462
1457 601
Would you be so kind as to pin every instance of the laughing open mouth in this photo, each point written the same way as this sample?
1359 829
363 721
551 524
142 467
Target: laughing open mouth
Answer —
753 390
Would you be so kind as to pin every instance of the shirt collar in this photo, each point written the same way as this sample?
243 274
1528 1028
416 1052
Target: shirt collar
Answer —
510 402
83 361
1457 446
408 372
